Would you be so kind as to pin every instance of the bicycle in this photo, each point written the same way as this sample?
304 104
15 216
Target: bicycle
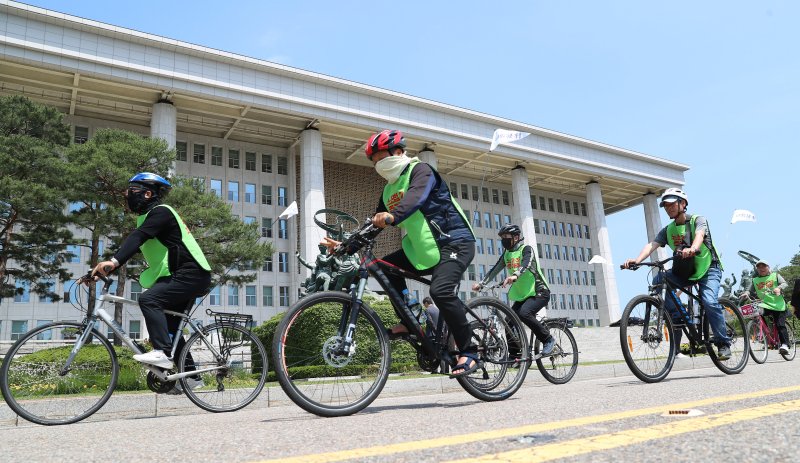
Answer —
54 385
646 330
344 365
764 336
560 366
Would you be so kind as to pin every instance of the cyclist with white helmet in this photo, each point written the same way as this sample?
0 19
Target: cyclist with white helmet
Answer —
177 271
689 237
529 290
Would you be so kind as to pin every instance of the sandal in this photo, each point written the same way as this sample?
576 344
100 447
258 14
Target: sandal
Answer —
393 335
464 366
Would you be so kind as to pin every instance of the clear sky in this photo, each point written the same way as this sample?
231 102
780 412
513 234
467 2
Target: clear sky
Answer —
712 84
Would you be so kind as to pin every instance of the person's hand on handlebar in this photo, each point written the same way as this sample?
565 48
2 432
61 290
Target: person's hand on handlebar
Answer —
477 286
630 263
686 253
382 219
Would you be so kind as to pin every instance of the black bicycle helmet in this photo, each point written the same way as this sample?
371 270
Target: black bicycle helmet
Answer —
510 229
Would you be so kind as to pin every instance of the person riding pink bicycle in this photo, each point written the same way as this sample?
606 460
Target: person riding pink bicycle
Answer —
768 287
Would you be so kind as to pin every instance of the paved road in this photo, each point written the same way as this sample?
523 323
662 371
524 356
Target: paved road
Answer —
751 417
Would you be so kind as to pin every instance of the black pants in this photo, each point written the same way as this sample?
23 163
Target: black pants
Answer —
445 278
177 293
527 310
779 320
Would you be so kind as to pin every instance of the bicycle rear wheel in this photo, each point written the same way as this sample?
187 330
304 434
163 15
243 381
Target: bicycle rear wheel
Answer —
645 335
740 340
35 386
243 372
792 343
759 346
502 348
311 366
560 366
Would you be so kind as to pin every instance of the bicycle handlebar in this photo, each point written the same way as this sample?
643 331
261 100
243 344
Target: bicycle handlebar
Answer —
658 263
358 239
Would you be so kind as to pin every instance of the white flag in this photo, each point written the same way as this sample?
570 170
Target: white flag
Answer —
598 259
290 211
742 215
506 136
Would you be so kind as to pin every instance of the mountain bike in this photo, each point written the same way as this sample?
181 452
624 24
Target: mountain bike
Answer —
331 350
63 372
764 336
646 329
561 364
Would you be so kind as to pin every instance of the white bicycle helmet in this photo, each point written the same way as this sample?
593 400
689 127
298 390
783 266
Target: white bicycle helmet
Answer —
672 195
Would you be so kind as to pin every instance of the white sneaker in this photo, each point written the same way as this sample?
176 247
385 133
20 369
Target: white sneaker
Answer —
681 355
784 349
177 389
156 358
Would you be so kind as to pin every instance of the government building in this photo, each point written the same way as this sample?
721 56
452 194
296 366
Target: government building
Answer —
262 135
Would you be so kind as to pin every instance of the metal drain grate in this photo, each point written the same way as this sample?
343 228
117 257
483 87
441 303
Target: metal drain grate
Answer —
682 413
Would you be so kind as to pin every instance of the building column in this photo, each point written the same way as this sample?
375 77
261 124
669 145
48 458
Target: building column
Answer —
428 156
652 220
312 197
164 125
607 296
523 212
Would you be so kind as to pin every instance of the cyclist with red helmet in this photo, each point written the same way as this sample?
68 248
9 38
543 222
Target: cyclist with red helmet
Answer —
439 240
177 271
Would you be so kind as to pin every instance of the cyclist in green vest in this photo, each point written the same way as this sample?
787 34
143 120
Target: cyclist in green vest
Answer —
768 286
690 238
529 290
177 271
439 241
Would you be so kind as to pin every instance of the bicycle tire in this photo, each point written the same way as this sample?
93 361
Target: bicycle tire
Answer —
740 341
312 373
652 360
233 387
505 358
45 396
759 345
792 344
560 366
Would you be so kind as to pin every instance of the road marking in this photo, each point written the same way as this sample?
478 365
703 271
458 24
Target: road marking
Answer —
447 441
633 436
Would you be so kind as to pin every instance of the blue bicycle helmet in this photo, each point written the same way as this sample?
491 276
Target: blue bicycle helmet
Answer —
158 184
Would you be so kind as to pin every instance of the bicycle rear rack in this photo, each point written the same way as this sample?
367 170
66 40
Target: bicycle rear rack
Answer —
232 318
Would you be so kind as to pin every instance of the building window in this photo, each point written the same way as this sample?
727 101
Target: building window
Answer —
284 296
248 219
553 227
180 151
490 246
216 187
572 253
214 297
479 245
266 227
266 194
233 159
266 296
594 301
545 230
250 161
74 254
556 256
550 276
471 272
250 293
233 191
533 202
566 207
283 165
505 198
135 329
559 207
497 222
283 262
561 229
474 193
233 295
583 209
18 328
464 191
199 154
575 207
250 193
507 219
577 277
563 302
283 229
495 196
580 302
585 278
481 271
550 205
564 252
81 135
588 302
579 230
23 293
571 302
570 231
282 196
487 220
267 267
586 231
44 335
216 156
485 194
547 254
136 290
454 189
266 163
569 277
591 279
538 250
591 322
542 205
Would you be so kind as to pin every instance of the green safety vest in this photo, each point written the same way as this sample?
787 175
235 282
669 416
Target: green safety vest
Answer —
702 261
525 286
156 254
419 244
764 287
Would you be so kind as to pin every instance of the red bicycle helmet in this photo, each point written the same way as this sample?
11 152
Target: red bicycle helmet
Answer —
385 140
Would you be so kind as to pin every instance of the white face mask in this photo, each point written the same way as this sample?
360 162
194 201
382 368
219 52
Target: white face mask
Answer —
391 167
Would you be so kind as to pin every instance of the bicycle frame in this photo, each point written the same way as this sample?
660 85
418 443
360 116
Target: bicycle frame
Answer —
668 289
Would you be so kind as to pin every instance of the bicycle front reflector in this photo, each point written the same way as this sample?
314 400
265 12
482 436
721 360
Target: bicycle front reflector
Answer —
630 343
666 333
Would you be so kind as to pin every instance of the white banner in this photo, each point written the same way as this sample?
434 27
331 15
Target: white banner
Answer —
743 215
598 259
506 136
290 211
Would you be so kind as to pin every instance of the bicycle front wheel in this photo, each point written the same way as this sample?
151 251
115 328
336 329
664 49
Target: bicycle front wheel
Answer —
645 335
560 366
313 367
740 340
237 362
792 343
759 345
502 348
37 384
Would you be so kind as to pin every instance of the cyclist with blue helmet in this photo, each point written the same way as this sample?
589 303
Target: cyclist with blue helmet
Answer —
177 271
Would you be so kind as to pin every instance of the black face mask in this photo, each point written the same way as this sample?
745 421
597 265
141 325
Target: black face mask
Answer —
507 243
137 202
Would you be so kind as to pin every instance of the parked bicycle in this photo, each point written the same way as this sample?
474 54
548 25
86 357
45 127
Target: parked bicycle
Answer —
63 372
560 366
331 350
646 329
764 336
